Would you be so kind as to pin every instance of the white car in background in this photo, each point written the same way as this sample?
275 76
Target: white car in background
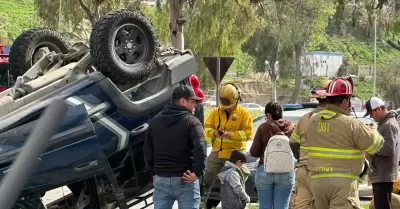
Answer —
210 101
252 106
150 3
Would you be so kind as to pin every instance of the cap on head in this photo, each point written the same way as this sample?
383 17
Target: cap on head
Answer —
229 95
186 92
372 104
338 87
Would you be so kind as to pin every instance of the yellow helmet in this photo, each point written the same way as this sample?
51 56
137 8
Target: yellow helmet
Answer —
229 95
324 87
325 84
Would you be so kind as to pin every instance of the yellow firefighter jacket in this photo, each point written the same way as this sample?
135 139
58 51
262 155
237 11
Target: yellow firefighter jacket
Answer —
396 185
238 123
298 134
336 143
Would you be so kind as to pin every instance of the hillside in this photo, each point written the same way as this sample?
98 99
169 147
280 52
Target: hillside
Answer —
359 51
15 16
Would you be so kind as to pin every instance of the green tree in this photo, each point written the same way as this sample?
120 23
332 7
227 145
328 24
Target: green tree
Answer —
243 63
291 27
160 21
75 17
218 28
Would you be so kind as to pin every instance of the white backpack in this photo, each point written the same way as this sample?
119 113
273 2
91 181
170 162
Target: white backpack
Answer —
278 157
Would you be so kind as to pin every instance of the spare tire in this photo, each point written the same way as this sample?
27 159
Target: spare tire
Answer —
394 44
24 51
124 46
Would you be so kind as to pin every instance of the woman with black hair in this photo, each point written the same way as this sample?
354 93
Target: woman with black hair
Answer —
273 189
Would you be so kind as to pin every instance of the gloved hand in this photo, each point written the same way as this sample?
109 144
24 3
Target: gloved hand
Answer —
247 200
218 133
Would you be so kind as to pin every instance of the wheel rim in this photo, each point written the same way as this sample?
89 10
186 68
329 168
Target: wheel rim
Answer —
36 54
129 45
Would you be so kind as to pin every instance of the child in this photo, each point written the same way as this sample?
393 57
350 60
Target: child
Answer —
233 177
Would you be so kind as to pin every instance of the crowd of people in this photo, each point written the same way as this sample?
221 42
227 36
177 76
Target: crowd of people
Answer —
317 163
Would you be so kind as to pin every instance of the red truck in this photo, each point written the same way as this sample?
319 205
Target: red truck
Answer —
3 61
3 56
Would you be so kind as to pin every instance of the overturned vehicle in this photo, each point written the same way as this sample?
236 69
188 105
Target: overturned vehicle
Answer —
113 88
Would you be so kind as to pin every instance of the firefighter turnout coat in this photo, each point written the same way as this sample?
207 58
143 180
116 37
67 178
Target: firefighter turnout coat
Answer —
238 123
298 134
336 142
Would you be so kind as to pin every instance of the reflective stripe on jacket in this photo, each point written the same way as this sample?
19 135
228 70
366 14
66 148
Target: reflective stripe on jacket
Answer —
239 125
336 143
298 134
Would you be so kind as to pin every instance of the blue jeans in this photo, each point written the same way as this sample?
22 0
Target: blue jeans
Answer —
169 189
274 189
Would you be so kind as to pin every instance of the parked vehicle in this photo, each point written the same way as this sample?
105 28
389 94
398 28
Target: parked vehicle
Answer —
253 106
4 66
291 112
114 88
148 3
210 101
3 55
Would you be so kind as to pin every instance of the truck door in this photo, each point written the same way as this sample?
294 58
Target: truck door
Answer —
74 153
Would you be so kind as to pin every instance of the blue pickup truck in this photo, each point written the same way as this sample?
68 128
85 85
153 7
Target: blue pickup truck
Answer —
113 87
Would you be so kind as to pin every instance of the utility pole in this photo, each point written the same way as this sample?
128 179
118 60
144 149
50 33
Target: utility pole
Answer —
59 16
218 82
375 55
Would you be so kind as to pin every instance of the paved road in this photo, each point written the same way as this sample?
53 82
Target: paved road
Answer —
59 192
63 191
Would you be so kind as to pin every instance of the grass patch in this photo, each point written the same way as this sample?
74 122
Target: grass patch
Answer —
365 206
15 17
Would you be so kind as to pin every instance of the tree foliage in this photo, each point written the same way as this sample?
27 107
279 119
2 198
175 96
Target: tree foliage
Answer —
388 81
218 28
243 63
76 16
290 28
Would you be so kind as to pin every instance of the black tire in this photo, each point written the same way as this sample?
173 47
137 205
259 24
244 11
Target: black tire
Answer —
394 44
24 48
137 58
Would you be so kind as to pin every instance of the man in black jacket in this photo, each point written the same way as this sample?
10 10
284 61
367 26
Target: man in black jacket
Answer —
175 152
384 164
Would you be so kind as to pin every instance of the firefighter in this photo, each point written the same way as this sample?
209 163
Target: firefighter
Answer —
229 127
335 144
303 196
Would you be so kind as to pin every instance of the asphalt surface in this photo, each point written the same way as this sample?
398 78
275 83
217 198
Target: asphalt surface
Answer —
63 191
